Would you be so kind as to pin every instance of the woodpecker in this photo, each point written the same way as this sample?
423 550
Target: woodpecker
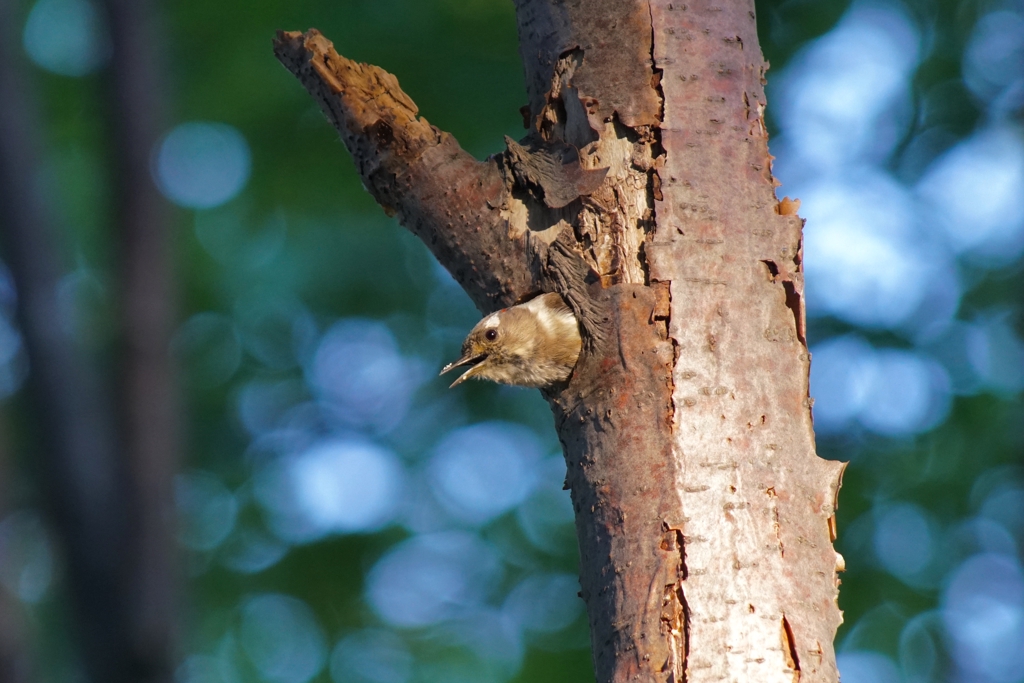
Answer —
534 344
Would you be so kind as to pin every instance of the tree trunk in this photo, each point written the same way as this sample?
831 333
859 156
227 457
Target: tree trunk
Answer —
146 391
105 465
643 194
15 658
76 459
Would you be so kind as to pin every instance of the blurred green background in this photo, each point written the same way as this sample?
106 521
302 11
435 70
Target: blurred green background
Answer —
344 517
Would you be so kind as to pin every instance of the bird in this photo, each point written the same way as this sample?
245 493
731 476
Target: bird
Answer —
533 344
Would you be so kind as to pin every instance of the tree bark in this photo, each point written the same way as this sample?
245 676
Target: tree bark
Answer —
643 194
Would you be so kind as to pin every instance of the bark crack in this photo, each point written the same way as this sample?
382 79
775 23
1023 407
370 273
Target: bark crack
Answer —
675 611
793 297
679 628
794 302
789 648
773 498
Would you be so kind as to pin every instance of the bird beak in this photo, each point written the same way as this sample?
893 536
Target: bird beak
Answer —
475 361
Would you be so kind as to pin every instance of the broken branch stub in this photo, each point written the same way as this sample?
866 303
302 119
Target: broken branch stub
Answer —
442 194
464 210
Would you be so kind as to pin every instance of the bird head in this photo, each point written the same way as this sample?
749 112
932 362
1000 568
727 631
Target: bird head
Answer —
532 344
488 347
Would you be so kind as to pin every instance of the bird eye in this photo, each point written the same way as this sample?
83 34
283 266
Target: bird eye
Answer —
491 335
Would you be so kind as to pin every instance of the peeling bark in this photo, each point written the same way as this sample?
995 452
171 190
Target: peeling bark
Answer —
753 491
643 194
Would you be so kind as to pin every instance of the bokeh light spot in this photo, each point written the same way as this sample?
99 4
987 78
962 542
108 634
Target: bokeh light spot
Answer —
908 394
362 377
903 539
371 656
248 551
66 37
919 647
889 391
490 635
839 94
347 486
201 165
205 669
481 471
1006 506
547 517
333 486
994 56
840 381
207 510
264 405
996 353
862 266
430 578
272 329
865 666
983 610
545 603
281 637
12 363
975 190
26 556
208 347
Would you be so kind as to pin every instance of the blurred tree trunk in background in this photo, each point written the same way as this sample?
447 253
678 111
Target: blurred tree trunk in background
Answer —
78 465
643 194
15 660
146 391
105 465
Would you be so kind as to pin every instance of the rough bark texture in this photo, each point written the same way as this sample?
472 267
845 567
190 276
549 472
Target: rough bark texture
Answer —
643 193
610 41
760 567
615 423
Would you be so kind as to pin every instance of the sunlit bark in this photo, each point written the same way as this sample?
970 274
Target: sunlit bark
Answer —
643 194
